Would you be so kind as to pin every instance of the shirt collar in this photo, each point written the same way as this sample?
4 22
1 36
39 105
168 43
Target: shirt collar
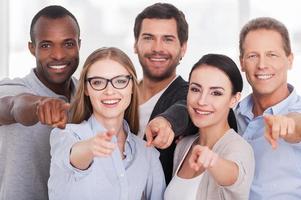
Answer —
245 106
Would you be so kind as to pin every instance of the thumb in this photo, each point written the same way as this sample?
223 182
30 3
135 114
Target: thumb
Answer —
149 133
66 106
110 133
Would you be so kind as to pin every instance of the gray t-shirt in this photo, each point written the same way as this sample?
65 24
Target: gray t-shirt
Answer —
25 150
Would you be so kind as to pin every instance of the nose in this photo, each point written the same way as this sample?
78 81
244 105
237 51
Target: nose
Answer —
203 99
58 53
262 62
109 90
157 46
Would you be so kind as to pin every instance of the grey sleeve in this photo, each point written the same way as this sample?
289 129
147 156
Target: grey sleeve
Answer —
178 117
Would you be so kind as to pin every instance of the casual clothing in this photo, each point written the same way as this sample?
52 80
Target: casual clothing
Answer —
25 150
175 92
231 147
277 172
138 176
188 187
145 111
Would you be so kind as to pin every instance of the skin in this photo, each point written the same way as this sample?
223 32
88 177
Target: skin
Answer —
159 51
208 101
266 65
109 106
56 43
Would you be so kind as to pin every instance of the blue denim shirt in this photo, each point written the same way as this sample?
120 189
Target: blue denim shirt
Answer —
277 172
138 176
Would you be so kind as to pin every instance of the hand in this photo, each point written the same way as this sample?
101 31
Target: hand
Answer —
202 156
101 145
277 126
53 112
159 133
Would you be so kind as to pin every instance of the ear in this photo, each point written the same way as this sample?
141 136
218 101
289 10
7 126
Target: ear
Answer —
86 91
235 99
290 61
183 49
31 48
135 47
79 42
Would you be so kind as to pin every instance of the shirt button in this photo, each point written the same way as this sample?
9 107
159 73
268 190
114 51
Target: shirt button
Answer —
122 175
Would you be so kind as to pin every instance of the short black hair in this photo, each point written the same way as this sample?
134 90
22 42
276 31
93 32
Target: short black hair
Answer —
51 12
163 11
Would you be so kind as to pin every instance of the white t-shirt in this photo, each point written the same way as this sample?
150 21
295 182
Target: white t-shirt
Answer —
146 109
182 188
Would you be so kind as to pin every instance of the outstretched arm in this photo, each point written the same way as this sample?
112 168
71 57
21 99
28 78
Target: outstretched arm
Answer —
28 109
287 127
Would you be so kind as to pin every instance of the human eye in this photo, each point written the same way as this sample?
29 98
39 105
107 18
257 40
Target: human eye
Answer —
69 44
194 89
252 56
216 93
168 39
97 82
147 37
45 45
272 55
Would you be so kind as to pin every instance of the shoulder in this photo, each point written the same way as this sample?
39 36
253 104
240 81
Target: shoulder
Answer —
10 87
81 131
231 142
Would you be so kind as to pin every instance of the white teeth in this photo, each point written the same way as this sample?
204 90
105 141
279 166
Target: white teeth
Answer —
110 102
158 59
264 76
203 112
58 66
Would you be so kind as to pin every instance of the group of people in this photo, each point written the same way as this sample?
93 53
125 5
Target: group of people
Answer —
94 138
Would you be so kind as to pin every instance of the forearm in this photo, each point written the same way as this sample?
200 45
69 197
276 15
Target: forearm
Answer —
224 172
19 109
81 156
178 117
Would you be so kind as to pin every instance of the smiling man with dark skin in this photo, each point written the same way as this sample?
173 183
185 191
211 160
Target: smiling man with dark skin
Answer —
41 96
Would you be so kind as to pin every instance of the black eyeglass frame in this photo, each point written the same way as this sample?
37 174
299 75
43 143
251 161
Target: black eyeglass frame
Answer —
129 77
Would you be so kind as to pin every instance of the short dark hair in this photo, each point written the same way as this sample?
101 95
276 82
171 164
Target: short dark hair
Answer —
228 66
163 11
266 23
51 12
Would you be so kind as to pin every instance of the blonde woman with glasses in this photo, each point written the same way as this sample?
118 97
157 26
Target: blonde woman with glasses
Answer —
99 156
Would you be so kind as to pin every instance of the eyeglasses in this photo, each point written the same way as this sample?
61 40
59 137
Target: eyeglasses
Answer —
118 82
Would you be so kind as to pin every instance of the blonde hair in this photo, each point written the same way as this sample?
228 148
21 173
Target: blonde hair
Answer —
82 108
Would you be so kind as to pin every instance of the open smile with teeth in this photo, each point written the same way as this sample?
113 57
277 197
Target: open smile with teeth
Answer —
110 102
263 76
58 66
202 112
158 59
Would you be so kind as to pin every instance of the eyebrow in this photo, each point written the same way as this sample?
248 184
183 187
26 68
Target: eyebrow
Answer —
149 34
211 88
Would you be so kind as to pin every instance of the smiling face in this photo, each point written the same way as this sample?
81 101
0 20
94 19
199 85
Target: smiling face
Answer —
210 97
56 48
109 103
266 63
158 48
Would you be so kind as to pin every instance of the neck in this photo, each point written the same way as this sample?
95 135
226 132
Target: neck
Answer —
59 88
210 135
148 87
112 124
263 102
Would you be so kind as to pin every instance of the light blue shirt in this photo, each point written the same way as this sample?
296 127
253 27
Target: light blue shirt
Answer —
138 176
277 172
